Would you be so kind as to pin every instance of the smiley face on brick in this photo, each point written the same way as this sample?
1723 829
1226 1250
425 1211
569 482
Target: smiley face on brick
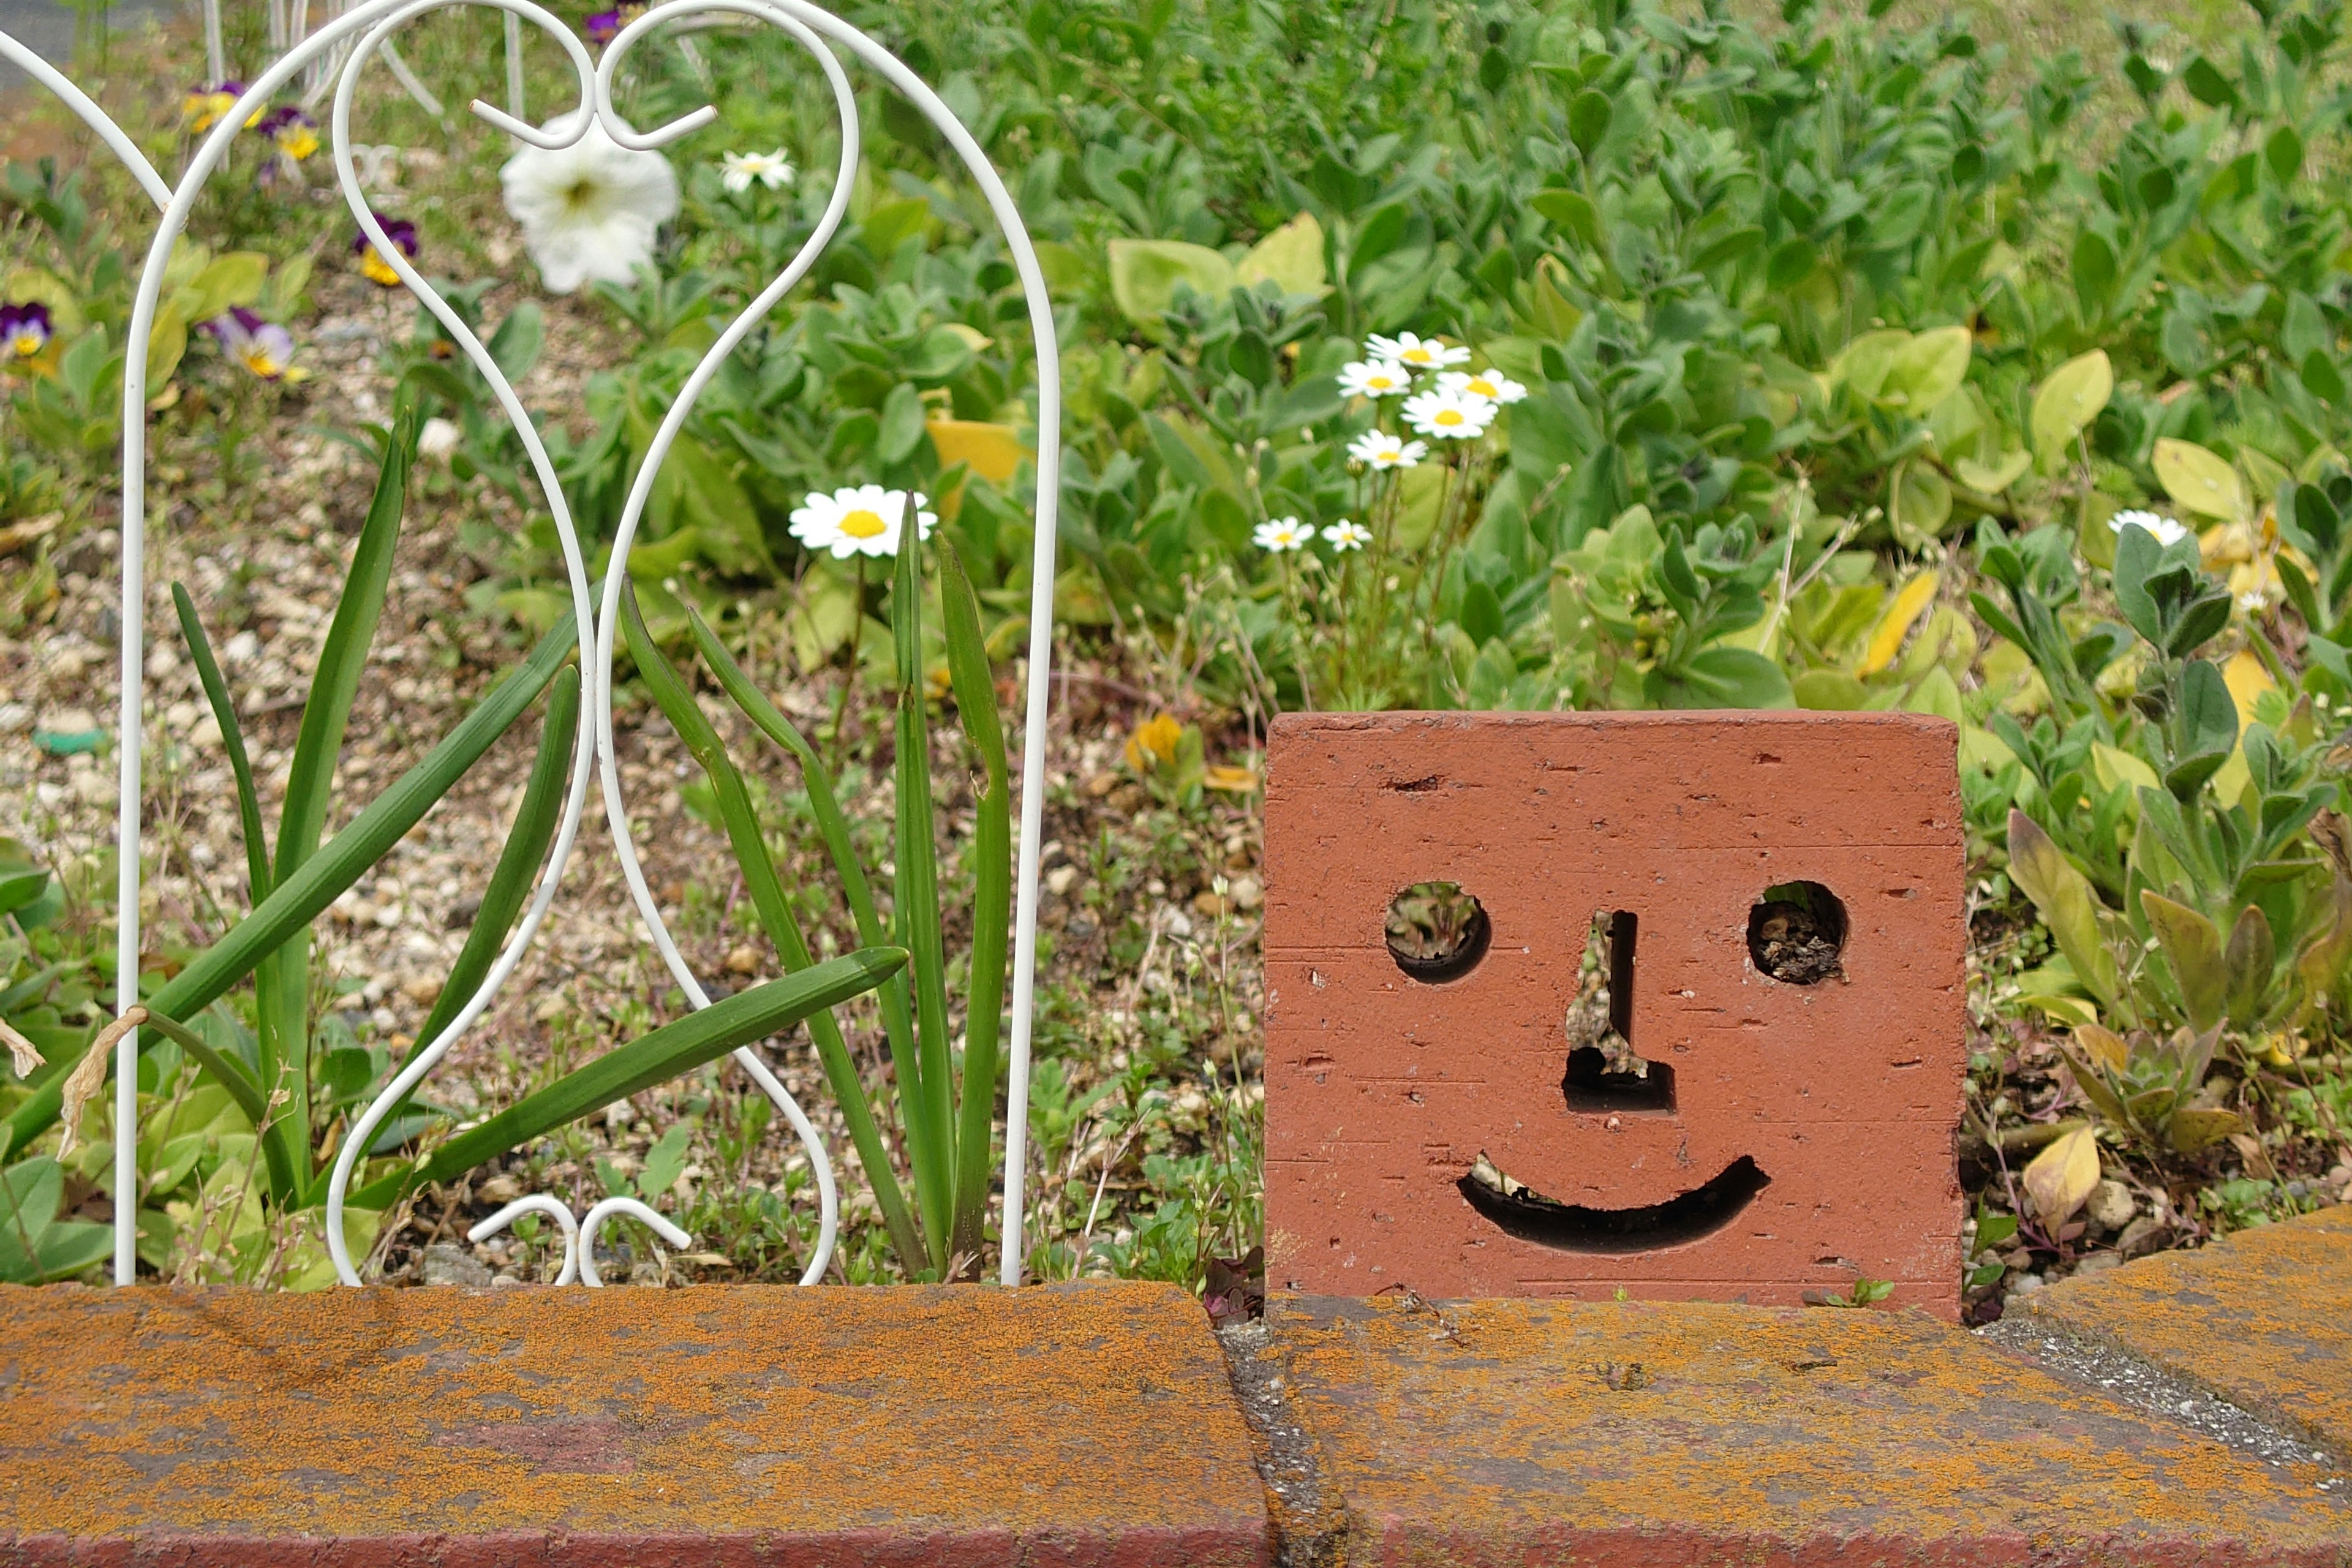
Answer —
1577 1003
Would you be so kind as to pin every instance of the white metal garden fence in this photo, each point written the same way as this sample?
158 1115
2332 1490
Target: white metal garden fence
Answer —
335 53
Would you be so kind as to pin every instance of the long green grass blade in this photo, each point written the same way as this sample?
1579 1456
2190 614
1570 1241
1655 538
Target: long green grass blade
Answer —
676 1047
295 902
991 858
282 1167
833 826
240 767
227 1072
775 909
916 913
310 783
517 867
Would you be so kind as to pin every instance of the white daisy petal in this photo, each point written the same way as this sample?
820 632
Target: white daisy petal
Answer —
589 213
1378 449
2168 530
1344 536
1491 385
1415 353
1380 378
1449 415
1282 534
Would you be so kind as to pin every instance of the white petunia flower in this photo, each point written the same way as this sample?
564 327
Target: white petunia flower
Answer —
1344 536
588 213
1380 378
862 520
2166 530
1491 385
1449 415
1415 353
1378 449
770 169
1282 533
438 438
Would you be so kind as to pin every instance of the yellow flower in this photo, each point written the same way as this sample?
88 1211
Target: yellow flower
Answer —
1153 744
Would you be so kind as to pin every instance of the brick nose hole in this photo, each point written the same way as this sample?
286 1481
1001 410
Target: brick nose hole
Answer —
1796 933
1525 1215
1605 1071
1437 931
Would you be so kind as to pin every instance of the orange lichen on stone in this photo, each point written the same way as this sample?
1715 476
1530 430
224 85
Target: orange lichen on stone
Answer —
1070 1425
2263 1319
1641 1434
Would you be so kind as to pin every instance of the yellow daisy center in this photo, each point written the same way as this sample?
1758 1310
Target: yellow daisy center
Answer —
1482 387
1448 417
864 524
1417 356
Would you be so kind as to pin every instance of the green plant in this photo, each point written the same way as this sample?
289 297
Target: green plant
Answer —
944 1117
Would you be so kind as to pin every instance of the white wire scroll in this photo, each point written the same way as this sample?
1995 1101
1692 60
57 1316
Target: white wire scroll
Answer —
344 45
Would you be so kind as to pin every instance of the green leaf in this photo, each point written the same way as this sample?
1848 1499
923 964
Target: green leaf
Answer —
2066 903
1291 258
1926 370
991 858
2069 400
1829 691
773 907
240 767
2193 948
915 913
2198 480
2284 153
2094 274
517 866
2207 85
676 1047
1792 262
2249 956
515 347
1144 275
1729 677
2209 717
1572 212
1587 119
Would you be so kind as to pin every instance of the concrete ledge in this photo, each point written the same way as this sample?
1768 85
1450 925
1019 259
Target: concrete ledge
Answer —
1641 1435
2262 1320
1057 1428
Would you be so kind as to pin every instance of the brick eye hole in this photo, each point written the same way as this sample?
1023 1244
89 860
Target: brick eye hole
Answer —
1796 933
1437 931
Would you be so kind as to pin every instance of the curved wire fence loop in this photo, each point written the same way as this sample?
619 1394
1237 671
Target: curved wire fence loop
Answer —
594 1221
347 42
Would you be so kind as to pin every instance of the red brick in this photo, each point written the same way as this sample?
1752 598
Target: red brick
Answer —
1383 1090
1668 1435
2263 1319
720 1426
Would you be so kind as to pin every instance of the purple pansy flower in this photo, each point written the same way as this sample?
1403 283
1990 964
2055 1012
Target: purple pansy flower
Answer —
295 133
603 27
265 348
24 329
372 262
205 105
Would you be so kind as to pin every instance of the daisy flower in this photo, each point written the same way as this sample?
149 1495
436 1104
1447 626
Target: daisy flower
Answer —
372 262
265 348
1449 415
2168 531
1490 384
1282 533
769 169
588 213
24 329
1378 449
1380 378
860 520
1414 352
1344 536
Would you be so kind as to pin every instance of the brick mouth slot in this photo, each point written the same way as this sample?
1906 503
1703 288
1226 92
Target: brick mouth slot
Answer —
1525 1215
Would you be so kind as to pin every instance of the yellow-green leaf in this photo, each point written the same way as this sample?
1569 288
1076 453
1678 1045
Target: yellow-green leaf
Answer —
2198 480
2192 1130
166 345
2193 948
1886 638
2065 901
2069 400
1291 256
1144 275
1926 370
2102 1047
2112 767
2062 1178
1996 477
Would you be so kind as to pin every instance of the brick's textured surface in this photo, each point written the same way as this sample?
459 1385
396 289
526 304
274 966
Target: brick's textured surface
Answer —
2263 1319
1383 1090
1653 1435
713 1426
